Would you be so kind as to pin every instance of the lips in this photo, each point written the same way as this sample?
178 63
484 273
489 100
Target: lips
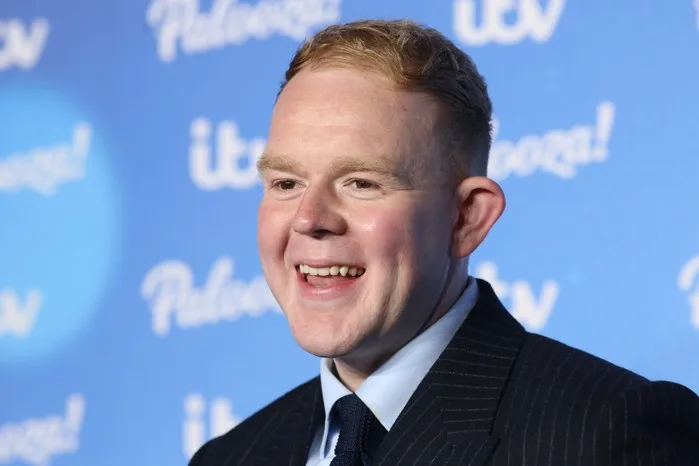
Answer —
329 281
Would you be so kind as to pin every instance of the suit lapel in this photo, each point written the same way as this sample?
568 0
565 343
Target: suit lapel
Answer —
292 429
449 419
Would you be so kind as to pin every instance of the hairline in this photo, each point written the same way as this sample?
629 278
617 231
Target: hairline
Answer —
443 132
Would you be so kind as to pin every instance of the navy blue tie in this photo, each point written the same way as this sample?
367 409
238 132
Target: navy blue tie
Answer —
360 433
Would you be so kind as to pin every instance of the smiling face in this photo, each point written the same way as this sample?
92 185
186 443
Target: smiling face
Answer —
353 183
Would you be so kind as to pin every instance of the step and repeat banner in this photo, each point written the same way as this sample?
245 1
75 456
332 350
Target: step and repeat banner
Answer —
135 322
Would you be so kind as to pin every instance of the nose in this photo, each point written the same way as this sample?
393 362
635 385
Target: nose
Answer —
318 215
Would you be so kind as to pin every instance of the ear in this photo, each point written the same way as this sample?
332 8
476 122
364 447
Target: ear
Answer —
481 202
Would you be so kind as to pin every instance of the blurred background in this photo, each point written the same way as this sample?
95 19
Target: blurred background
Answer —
135 322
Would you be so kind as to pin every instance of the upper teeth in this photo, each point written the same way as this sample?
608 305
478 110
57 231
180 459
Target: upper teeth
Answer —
334 270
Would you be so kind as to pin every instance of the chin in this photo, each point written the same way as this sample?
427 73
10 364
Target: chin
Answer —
320 349
322 342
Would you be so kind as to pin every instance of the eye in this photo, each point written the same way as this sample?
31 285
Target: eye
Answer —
364 184
284 185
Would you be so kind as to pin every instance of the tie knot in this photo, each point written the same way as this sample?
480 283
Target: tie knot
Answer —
351 410
360 431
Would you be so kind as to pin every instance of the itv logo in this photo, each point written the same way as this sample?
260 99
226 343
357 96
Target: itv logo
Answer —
18 316
22 45
530 308
221 158
200 425
534 21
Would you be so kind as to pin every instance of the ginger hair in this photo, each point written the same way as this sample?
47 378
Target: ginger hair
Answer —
420 59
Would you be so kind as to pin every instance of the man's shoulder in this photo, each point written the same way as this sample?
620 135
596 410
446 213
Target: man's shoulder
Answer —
546 358
569 369
255 422
536 358
554 376
243 436
595 406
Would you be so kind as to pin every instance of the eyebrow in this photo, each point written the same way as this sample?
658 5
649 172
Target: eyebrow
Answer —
284 163
276 162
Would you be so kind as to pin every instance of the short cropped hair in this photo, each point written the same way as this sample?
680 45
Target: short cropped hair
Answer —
415 58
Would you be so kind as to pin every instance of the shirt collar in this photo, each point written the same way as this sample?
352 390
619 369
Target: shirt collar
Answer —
405 369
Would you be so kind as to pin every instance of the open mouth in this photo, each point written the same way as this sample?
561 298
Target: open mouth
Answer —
326 277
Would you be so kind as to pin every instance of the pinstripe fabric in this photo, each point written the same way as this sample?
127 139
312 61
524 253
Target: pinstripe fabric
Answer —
497 396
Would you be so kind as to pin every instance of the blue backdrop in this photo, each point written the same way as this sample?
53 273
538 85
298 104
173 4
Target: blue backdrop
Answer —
134 319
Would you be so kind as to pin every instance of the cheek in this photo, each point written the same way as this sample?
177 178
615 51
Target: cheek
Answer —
406 240
389 237
272 230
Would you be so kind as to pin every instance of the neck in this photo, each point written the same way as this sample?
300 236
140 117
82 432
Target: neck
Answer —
350 375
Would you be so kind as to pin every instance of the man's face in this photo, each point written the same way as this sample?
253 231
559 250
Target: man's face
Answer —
354 194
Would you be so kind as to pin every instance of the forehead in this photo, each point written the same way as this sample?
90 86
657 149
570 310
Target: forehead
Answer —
345 112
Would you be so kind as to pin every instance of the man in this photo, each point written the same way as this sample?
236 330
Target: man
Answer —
375 196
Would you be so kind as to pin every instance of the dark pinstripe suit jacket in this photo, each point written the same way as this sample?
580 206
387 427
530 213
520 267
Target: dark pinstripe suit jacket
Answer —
497 396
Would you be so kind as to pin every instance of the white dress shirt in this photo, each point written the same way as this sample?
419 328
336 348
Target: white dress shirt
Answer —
387 390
